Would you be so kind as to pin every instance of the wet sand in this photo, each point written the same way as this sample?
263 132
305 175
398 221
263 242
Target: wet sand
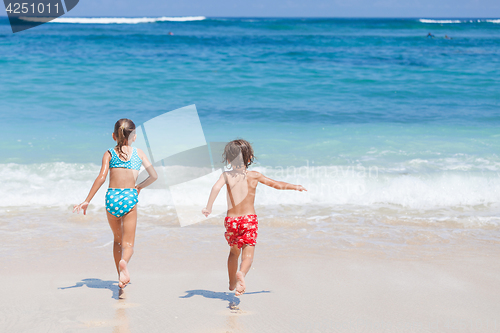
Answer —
65 283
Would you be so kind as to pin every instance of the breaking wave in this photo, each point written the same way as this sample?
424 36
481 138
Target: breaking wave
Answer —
115 20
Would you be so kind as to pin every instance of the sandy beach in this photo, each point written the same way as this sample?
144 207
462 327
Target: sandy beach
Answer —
64 281
391 124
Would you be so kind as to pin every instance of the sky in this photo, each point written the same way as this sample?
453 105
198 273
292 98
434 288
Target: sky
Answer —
289 8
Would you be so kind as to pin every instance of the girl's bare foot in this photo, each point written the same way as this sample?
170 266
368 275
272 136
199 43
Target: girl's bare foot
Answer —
240 283
232 285
124 276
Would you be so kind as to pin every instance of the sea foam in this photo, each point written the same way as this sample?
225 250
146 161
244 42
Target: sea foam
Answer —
458 21
65 184
116 20
439 21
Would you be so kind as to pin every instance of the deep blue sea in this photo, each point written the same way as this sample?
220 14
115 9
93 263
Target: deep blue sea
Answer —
335 97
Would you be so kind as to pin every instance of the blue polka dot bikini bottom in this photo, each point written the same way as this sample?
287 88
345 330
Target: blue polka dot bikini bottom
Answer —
120 201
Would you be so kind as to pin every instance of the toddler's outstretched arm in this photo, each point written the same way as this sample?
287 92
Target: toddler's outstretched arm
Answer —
101 178
278 184
213 195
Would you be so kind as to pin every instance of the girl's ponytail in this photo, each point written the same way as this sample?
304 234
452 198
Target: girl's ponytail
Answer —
123 129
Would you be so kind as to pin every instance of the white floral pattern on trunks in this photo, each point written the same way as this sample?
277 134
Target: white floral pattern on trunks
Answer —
241 230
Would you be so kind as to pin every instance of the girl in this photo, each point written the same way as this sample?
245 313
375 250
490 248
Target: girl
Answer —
241 221
124 163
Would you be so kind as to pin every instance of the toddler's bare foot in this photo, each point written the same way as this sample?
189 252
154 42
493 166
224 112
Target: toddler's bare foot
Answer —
240 283
232 285
124 276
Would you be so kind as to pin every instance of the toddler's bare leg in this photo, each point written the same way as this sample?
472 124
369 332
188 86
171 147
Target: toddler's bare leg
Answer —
247 258
246 263
232 266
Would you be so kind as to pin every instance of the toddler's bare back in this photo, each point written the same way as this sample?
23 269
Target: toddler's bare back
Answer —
241 185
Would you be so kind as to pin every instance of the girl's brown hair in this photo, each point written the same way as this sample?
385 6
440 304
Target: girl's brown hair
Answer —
123 128
236 147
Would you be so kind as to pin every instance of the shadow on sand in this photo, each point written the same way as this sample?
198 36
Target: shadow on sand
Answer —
99 284
230 297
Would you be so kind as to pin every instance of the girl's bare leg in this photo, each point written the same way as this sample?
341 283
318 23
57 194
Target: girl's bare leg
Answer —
116 227
128 238
129 224
232 266
246 263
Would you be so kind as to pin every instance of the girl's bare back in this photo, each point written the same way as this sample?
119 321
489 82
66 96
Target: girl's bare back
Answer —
122 177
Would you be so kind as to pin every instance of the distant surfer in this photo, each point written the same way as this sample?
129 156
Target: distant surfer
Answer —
170 33
446 37
429 35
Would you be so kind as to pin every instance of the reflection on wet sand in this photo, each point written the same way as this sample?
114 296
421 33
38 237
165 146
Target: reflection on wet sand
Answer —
121 318
232 324
120 323
232 316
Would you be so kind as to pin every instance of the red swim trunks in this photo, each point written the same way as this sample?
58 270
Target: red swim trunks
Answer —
241 230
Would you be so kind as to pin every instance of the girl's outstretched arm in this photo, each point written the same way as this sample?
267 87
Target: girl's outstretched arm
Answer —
153 176
213 195
97 184
277 184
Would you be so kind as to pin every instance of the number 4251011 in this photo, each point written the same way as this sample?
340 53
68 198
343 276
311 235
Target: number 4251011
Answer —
26 8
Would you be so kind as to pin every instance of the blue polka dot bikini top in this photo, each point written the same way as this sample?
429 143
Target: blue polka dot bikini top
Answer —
134 162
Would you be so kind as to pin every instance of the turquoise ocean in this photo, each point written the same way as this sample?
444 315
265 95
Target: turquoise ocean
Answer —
396 135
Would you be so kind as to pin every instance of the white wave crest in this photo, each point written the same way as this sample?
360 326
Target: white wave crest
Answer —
494 21
115 20
439 21
54 184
